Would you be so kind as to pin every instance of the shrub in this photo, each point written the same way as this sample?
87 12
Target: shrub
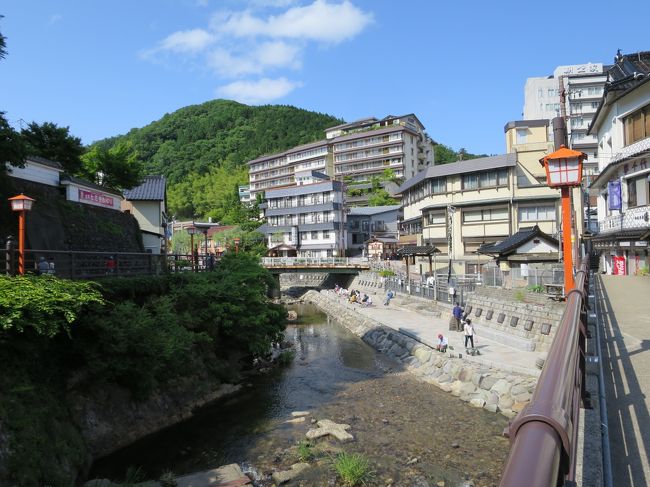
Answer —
538 288
386 273
353 469
286 357
46 304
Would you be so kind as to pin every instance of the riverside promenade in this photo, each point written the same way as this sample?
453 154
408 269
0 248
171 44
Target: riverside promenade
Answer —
417 319
624 312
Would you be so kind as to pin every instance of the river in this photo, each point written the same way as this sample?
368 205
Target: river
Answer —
413 433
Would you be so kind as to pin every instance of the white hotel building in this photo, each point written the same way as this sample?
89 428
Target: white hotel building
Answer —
358 151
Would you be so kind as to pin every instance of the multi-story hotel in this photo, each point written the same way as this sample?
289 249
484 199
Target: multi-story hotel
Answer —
583 87
622 128
356 151
307 220
461 206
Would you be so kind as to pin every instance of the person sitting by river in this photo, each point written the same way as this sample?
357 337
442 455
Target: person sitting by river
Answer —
441 344
364 300
337 289
353 297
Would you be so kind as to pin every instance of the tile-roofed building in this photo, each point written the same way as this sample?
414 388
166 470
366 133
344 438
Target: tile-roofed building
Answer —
148 204
153 188
543 248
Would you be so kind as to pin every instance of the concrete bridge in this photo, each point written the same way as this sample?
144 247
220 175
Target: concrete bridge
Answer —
330 265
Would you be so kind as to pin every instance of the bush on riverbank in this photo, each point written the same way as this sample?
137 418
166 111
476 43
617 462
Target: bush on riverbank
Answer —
138 333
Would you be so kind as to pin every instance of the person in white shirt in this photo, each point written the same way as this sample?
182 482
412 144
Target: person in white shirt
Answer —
441 345
469 332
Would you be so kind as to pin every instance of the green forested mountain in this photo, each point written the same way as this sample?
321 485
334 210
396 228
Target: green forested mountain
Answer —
202 149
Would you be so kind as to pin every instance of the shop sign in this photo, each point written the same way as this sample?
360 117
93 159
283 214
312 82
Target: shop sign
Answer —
95 198
641 243
619 265
625 244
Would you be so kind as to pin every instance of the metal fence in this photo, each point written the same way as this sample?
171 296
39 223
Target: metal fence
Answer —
435 289
521 278
543 436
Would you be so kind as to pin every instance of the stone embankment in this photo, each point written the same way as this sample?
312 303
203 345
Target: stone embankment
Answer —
481 386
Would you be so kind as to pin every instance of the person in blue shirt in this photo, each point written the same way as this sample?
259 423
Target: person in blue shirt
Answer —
389 296
456 315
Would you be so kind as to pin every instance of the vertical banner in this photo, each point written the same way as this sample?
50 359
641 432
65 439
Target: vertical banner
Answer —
619 265
614 195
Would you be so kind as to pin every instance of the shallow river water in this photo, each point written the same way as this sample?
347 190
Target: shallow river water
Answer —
413 433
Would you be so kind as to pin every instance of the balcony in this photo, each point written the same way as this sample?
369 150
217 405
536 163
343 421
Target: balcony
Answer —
633 219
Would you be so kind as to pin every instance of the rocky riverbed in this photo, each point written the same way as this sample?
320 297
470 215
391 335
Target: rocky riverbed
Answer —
412 432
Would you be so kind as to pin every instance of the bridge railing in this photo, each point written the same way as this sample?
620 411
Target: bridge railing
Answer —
543 436
315 262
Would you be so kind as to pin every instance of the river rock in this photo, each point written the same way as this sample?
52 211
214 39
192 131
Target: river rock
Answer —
502 387
327 427
300 419
423 354
297 414
285 476
223 475
487 382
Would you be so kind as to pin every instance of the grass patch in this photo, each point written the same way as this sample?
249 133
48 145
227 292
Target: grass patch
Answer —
286 357
306 452
353 469
520 295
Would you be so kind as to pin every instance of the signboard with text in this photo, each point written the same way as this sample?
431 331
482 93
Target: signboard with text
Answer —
95 198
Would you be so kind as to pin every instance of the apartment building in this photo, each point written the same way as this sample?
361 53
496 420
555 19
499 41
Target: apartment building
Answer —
582 86
622 127
305 221
461 206
355 151
373 231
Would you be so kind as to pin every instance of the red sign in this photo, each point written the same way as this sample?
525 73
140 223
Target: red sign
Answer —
95 198
619 266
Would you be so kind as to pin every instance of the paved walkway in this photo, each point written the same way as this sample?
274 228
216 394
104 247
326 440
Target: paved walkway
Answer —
624 307
417 319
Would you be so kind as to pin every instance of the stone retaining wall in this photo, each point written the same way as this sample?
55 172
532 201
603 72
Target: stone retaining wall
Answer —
481 386
523 320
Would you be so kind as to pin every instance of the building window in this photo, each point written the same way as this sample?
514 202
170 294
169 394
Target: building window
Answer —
637 125
326 235
489 214
439 185
437 218
537 213
522 135
314 235
631 193
487 179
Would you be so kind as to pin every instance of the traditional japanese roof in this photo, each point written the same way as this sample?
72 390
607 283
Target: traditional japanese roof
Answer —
410 250
151 189
45 162
515 241
461 167
67 179
371 210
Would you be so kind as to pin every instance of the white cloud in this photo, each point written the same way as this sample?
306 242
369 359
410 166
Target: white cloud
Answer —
187 41
257 92
272 3
320 21
54 18
256 60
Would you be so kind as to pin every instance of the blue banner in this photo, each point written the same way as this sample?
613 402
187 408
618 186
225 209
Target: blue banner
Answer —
614 195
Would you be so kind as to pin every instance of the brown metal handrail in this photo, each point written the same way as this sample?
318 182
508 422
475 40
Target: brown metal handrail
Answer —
543 436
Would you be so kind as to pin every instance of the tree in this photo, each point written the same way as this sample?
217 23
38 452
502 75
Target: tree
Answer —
3 44
444 154
117 167
55 143
12 148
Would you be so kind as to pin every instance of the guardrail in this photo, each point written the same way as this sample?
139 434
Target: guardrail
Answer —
315 262
543 436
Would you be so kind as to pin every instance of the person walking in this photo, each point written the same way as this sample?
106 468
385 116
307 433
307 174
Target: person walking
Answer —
456 315
469 332
389 296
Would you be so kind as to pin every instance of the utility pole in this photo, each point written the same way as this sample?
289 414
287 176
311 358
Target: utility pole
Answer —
450 231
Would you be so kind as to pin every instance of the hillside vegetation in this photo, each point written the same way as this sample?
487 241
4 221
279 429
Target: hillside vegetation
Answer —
203 149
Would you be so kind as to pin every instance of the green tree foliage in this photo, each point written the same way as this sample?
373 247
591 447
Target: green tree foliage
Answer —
3 44
445 154
45 304
12 148
55 143
115 167
196 147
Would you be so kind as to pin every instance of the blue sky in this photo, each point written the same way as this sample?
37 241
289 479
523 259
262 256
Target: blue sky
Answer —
104 67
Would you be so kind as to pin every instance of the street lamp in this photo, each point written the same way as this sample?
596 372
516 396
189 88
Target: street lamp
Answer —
21 204
237 240
564 170
192 230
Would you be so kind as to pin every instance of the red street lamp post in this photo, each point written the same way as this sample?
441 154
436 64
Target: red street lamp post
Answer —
564 170
21 204
192 230
237 241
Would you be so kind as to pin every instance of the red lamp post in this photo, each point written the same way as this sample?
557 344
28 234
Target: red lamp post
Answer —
564 170
192 230
237 240
21 204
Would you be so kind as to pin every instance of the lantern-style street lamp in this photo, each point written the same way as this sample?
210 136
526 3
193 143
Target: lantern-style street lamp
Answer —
237 240
21 204
564 170
192 230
